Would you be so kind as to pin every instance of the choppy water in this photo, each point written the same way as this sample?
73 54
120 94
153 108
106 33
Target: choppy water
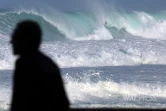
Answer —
108 59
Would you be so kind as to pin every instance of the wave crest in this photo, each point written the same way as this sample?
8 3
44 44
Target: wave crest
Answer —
89 26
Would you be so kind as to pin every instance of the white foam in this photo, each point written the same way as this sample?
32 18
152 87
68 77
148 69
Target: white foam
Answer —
96 53
5 98
106 53
139 24
87 91
6 57
150 27
98 34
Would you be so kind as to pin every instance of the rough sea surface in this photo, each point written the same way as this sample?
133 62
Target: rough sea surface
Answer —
107 59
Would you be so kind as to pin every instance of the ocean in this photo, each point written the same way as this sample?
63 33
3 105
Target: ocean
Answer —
107 59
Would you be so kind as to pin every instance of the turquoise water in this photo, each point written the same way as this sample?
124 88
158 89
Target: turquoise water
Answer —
90 25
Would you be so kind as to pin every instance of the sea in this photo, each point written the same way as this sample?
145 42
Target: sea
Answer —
107 58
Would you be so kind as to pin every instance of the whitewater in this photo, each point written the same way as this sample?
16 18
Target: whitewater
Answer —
112 59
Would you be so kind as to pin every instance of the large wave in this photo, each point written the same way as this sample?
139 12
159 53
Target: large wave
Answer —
79 25
136 33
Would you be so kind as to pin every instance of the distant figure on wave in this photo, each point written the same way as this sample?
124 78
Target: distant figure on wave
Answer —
37 83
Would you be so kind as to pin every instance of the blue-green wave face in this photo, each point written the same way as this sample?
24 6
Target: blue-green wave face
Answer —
90 26
8 20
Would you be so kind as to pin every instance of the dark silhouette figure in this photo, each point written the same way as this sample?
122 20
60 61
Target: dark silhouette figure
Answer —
37 83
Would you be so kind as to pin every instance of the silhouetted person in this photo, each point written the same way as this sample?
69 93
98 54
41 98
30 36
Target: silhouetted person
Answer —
38 85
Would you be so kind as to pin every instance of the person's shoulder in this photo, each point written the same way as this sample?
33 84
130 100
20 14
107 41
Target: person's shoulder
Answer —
21 63
45 58
48 62
20 60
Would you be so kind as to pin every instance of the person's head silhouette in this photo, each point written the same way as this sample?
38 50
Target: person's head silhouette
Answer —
26 37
